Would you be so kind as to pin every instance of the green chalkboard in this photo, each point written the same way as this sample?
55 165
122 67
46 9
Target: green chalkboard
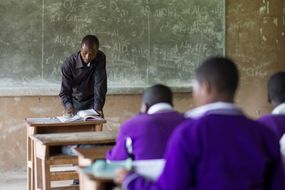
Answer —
145 41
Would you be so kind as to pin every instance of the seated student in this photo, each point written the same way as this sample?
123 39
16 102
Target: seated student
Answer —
276 96
148 132
220 149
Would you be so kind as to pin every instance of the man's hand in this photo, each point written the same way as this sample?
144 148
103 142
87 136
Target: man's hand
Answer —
69 111
121 174
101 114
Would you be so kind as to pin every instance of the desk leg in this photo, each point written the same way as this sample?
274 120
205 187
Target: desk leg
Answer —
88 184
30 159
42 169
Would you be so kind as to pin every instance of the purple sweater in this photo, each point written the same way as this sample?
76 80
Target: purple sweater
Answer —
149 134
218 152
275 122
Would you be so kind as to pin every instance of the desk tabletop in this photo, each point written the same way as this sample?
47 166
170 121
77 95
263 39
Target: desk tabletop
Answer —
53 121
98 137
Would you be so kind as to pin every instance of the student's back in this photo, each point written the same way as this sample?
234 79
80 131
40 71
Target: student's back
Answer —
145 136
149 133
225 152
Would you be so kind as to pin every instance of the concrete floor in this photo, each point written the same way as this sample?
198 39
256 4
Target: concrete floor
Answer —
13 180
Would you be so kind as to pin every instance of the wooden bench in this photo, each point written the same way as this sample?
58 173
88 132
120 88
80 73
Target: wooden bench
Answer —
45 160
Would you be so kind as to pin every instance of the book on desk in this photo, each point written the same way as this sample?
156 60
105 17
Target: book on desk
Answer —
82 115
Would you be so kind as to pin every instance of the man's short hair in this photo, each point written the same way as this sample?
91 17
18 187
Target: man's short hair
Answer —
221 73
157 94
90 41
276 87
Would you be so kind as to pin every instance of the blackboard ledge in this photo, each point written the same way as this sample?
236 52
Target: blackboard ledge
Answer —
54 90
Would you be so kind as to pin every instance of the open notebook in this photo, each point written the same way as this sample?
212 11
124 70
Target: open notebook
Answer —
81 115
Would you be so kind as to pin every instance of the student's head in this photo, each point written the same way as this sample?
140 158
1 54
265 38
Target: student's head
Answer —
156 94
89 48
276 89
216 79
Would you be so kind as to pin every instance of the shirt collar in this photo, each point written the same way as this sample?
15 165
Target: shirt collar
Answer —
280 109
159 107
223 108
79 63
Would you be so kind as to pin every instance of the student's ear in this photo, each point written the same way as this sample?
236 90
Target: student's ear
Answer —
207 87
201 92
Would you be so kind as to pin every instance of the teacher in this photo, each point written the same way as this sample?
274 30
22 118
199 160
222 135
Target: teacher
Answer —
84 78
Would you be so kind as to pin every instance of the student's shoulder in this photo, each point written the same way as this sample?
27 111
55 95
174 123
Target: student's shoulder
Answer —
189 121
261 128
167 115
178 114
265 117
135 121
188 124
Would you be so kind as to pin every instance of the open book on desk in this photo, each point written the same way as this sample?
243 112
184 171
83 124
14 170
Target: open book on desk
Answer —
82 115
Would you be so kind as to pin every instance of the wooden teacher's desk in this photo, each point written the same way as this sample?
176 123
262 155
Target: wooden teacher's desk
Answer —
52 125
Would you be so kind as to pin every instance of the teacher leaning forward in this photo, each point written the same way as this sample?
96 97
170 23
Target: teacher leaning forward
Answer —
84 78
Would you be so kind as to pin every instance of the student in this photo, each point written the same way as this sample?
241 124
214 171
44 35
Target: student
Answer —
220 149
276 97
145 135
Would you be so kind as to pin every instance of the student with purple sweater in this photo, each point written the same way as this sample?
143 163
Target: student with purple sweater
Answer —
147 133
219 148
276 96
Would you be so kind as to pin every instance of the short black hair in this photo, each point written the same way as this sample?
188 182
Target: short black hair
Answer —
276 87
220 72
90 40
158 93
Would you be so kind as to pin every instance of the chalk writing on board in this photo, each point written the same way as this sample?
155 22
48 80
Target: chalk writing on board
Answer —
145 41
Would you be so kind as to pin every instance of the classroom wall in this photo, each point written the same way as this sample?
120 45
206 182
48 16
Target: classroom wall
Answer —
13 110
255 36
254 39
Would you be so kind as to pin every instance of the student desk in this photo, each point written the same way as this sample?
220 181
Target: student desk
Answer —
52 125
44 159
86 156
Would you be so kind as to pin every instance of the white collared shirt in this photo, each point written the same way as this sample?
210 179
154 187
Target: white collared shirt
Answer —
217 108
279 109
160 107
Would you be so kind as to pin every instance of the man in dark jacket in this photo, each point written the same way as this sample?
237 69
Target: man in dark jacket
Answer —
84 78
